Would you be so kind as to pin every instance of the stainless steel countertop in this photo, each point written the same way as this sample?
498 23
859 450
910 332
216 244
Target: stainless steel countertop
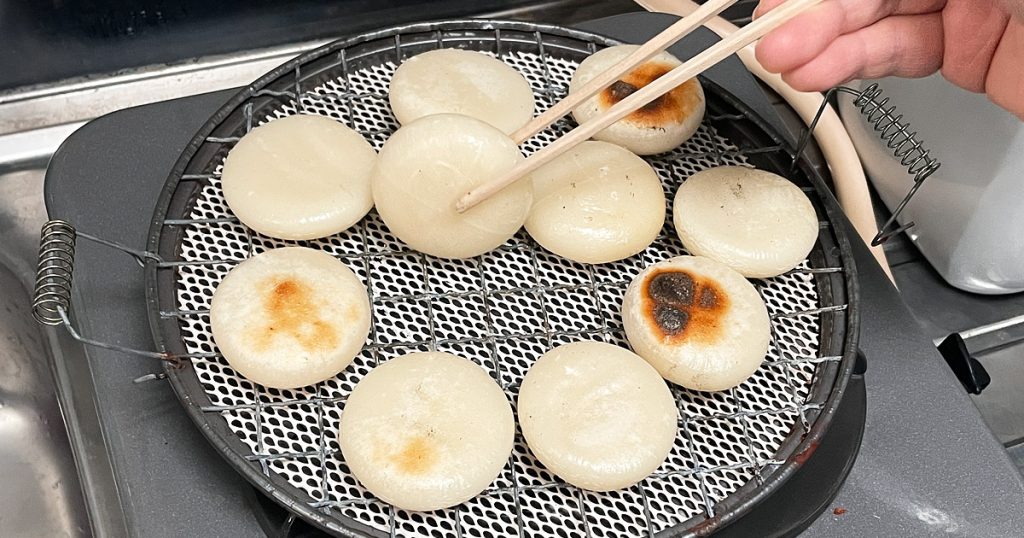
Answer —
41 494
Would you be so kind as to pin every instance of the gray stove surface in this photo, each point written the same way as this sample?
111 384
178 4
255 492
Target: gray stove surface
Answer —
928 464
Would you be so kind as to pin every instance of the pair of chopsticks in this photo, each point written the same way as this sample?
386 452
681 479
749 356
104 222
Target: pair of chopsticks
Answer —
689 69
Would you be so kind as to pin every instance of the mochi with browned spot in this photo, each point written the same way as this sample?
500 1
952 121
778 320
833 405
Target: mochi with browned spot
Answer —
426 430
698 322
290 317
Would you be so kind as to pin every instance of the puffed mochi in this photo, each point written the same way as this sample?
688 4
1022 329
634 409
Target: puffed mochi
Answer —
427 165
461 82
290 317
426 430
597 415
596 203
660 126
299 177
699 323
754 221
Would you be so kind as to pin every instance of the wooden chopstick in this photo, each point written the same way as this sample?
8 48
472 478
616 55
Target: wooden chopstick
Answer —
691 68
648 50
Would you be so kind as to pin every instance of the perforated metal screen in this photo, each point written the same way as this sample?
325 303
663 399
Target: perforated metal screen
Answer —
502 310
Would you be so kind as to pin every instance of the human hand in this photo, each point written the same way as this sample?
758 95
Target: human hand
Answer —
977 44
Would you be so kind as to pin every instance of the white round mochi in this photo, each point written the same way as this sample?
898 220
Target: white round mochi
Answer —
425 431
597 415
299 177
427 165
701 324
461 82
754 221
596 203
656 128
290 317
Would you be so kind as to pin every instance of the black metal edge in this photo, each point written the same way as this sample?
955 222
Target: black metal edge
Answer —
818 482
806 448
855 404
232 453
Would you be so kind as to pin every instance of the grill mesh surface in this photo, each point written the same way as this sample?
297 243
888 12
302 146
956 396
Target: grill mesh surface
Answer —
502 310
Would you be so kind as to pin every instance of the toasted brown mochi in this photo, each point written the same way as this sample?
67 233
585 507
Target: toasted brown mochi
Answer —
659 126
291 310
684 307
699 323
673 107
290 317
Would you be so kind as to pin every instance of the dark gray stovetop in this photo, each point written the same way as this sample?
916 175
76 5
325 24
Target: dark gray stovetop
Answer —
927 465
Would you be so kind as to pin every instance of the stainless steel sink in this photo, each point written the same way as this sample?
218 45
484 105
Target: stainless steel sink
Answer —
56 485
41 493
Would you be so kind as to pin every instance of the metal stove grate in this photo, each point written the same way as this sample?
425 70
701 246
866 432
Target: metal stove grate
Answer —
502 310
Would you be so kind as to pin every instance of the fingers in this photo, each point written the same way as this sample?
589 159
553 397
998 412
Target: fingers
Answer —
1014 7
840 40
809 34
905 45
894 7
805 36
1005 81
972 31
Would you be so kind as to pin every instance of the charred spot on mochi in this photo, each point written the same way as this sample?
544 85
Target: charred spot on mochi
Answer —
621 90
670 319
681 307
292 312
672 107
417 455
708 297
671 287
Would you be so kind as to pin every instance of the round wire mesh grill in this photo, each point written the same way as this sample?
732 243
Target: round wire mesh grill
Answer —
502 310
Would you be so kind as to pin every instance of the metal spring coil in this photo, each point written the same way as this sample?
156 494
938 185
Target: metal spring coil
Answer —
53 275
905 146
894 132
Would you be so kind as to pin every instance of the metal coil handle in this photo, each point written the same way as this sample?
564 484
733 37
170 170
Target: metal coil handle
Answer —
51 297
896 135
54 273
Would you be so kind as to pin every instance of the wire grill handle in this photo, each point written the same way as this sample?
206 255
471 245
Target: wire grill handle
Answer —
54 273
51 298
896 135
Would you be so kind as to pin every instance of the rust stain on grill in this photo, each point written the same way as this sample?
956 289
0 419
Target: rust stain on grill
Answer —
707 527
805 454
672 107
292 313
681 307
